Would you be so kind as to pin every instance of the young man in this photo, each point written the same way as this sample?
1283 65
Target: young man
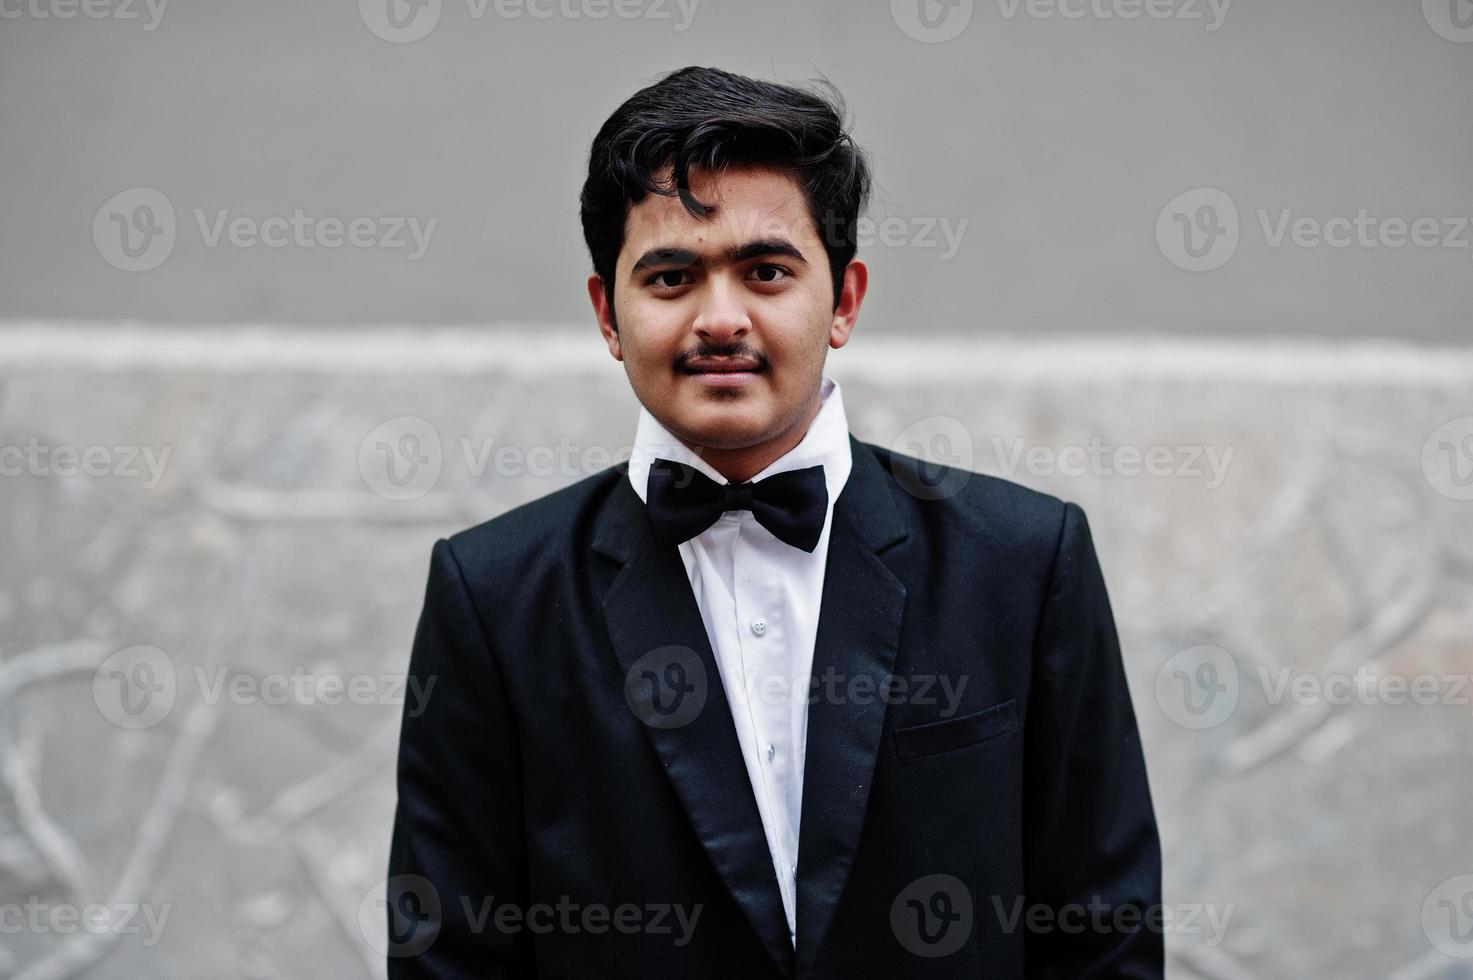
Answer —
763 703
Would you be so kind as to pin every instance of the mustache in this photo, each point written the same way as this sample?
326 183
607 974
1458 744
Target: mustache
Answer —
738 350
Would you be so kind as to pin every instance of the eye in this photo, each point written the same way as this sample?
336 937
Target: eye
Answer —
769 272
659 281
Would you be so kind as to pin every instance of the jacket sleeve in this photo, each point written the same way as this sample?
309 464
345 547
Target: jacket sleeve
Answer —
458 849
1092 854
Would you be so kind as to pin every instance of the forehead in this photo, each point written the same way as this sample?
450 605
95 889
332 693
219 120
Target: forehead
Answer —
751 203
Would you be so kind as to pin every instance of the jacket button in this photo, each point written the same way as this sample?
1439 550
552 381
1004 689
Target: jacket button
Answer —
759 626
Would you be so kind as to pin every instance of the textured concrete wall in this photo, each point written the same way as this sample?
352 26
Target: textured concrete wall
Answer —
1273 520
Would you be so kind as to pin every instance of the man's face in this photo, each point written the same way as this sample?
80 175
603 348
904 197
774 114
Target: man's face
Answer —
724 322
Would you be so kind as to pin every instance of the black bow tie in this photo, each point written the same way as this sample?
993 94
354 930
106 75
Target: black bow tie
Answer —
683 502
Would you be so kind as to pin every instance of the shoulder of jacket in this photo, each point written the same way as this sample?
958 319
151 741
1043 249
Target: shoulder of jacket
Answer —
542 529
953 495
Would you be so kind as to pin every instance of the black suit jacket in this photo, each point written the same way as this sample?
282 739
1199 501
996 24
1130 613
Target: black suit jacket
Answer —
575 769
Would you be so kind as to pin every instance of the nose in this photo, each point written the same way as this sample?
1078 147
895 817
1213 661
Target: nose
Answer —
722 317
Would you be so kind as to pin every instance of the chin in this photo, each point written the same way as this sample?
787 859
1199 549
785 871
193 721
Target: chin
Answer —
726 436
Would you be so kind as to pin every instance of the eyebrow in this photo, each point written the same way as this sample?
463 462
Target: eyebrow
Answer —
671 257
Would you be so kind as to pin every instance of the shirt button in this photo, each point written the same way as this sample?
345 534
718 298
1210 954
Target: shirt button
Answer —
759 626
771 751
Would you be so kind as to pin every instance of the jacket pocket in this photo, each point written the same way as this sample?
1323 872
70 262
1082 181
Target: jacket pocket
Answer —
915 741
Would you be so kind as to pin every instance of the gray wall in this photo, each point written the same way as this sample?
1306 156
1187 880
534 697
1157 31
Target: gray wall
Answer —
1057 142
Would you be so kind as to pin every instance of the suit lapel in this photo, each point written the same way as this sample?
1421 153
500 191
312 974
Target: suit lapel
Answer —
858 636
654 621
650 607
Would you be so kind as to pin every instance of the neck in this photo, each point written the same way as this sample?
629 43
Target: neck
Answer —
740 465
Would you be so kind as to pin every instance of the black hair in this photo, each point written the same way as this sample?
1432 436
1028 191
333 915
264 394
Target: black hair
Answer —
707 118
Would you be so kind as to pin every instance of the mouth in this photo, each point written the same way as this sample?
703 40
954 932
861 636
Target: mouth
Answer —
720 365
722 372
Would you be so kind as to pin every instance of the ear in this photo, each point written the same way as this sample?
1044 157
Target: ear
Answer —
605 316
851 295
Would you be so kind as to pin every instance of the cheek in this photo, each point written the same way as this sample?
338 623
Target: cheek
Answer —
649 349
654 318
801 348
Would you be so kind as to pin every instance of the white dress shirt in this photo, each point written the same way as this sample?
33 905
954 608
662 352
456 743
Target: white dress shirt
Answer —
759 598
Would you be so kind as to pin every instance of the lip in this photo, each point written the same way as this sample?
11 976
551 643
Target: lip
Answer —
724 379
723 372
712 365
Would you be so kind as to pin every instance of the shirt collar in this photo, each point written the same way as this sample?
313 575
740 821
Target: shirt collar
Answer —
825 443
